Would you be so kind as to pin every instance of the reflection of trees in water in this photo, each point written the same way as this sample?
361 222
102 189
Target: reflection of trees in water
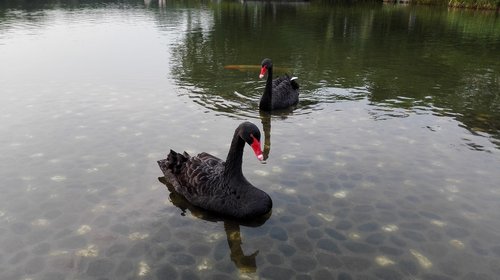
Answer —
437 77
236 37
70 4
472 100
245 263
393 52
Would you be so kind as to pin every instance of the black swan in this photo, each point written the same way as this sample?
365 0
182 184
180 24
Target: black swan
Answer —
280 93
212 184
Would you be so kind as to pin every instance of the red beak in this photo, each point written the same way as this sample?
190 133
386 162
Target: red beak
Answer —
263 71
256 149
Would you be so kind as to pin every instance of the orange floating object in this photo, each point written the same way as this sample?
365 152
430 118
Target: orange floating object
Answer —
243 67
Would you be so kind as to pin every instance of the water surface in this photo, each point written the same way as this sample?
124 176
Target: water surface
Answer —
387 169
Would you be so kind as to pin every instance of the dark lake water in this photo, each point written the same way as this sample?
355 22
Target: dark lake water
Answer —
387 169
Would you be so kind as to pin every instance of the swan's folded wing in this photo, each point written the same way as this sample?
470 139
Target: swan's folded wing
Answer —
211 160
199 173
284 94
280 81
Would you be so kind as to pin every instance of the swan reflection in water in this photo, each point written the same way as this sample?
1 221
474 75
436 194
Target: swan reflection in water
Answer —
245 263
265 118
161 3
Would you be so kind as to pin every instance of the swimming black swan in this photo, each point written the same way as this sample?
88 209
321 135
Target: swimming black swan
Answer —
280 93
210 183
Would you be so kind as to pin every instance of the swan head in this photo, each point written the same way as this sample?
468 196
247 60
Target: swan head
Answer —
250 133
265 65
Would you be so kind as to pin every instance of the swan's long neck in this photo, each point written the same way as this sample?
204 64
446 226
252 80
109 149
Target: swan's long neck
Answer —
267 98
232 169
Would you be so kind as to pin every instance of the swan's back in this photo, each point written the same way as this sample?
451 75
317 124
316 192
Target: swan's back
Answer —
285 92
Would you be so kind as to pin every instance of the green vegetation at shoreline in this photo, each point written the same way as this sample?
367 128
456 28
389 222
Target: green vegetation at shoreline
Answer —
469 4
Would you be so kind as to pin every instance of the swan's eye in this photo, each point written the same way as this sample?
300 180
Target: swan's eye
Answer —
253 138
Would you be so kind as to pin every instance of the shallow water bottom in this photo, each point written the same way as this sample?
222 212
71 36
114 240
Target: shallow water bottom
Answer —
392 207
